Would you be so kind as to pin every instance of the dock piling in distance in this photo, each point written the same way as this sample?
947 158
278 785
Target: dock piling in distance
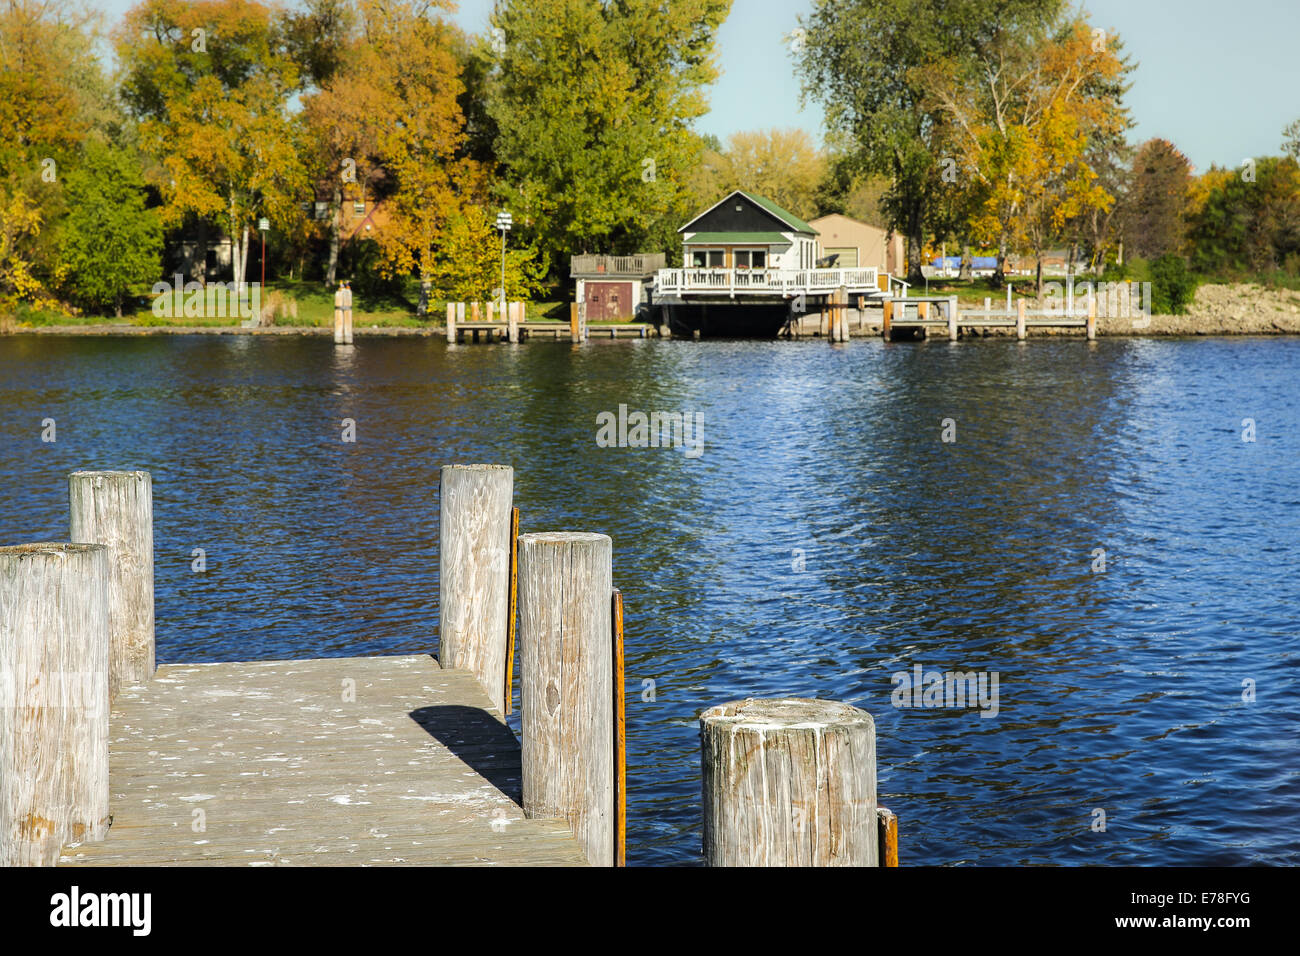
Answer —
566 693
886 317
1092 316
347 314
514 313
789 782
54 720
115 509
952 318
475 508
338 315
1020 319
575 331
451 322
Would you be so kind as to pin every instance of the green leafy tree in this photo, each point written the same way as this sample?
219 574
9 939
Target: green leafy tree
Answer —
468 266
1291 140
109 242
593 104
1246 220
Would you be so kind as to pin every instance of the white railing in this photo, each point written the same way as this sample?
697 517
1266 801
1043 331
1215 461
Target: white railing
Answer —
769 281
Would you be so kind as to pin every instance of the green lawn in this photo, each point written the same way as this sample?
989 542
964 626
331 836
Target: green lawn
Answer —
315 309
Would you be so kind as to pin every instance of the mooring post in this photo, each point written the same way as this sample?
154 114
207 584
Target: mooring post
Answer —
566 694
1020 319
347 314
54 718
1092 316
475 506
115 509
842 298
952 318
886 317
887 836
514 315
338 315
451 322
789 782
574 330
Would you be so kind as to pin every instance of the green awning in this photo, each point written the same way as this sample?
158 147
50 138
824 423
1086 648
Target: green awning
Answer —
737 238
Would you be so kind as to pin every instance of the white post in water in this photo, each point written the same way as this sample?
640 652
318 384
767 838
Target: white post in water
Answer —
338 315
789 782
474 572
451 322
115 509
952 318
54 718
566 684
347 314
515 315
1020 319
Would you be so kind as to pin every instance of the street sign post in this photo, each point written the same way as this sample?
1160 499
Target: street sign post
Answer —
504 222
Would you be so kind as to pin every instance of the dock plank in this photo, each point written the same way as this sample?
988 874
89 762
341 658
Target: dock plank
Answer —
345 761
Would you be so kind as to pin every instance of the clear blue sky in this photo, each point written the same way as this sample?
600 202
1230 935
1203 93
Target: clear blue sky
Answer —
1218 79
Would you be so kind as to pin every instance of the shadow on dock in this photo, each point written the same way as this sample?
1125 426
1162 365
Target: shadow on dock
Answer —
479 738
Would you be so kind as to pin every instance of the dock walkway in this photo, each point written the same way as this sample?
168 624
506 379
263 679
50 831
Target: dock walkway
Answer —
344 761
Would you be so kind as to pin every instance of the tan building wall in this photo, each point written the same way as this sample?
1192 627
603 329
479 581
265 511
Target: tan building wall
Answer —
873 245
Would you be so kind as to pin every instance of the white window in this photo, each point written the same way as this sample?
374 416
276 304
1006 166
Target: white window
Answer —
751 258
707 258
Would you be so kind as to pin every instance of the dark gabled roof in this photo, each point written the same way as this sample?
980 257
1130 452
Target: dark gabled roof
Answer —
788 218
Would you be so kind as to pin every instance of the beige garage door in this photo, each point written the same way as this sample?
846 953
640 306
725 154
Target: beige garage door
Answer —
848 258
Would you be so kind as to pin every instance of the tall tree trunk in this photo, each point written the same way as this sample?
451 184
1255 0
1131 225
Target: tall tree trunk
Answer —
1000 274
965 271
422 310
336 211
915 240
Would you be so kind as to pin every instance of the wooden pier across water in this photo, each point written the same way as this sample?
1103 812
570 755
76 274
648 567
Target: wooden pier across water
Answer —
352 761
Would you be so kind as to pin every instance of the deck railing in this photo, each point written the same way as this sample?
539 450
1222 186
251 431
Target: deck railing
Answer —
773 281
634 266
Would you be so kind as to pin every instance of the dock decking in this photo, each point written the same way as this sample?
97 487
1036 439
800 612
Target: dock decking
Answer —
343 761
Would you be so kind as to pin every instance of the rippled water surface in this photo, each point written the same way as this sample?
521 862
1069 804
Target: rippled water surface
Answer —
826 539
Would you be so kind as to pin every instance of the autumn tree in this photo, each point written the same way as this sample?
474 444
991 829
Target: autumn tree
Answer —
53 95
1246 220
1157 200
211 84
593 104
783 165
863 60
1021 118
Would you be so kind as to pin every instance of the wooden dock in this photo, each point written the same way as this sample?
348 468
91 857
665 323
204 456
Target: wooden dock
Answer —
498 331
346 761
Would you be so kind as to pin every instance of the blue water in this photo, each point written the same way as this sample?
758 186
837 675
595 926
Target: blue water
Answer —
826 539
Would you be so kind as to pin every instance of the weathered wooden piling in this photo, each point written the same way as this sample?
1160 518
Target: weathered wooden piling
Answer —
952 318
1020 319
514 314
886 317
54 712
347 315
475 506
1092 316
565 687
115 509
451 321
789 782
574 327
338 315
